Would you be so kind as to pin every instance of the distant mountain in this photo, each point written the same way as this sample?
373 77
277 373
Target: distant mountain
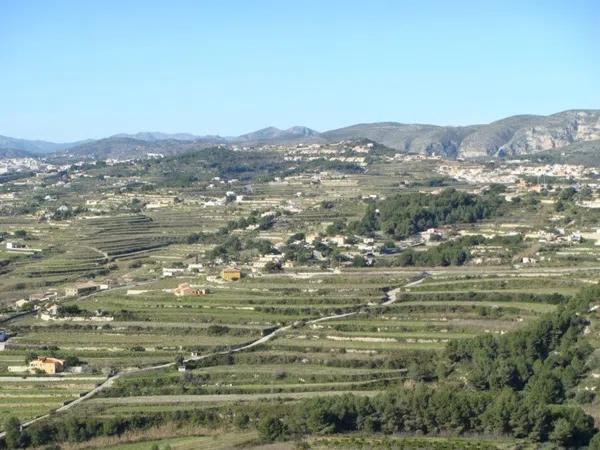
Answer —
15 153
511 137
519 135
39 147
411 138
129 148
126 146
586 153
265 134
275 134
158 136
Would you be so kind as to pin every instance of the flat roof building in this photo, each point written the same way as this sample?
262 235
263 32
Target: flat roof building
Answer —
231 274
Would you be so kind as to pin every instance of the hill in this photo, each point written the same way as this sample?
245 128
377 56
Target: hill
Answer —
511 137
152 136
410 138
125 146
584 153
275 134
516 135
34 146
15 153
129 148
519 135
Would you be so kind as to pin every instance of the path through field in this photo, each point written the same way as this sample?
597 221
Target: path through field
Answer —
111 379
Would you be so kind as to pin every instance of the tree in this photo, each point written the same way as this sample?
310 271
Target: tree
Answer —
562 432
273 267
271 428
40 434
546 388
595 442
296 237
405 258
12 428
359 261
406 214
499 413
241 420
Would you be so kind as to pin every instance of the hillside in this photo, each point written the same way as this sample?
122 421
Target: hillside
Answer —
516 135
410 138
15 153
34 146
585 153
275 134
511 136
126 147
530 134
158 136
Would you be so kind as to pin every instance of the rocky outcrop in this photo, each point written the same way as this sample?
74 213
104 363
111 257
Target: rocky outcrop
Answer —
520 135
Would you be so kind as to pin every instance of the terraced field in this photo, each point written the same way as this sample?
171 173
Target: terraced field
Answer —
32 396
359 330
375 347
123 235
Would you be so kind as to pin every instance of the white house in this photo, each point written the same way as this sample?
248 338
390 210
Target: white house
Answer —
172 271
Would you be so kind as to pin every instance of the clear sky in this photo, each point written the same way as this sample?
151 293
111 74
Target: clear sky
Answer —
76 69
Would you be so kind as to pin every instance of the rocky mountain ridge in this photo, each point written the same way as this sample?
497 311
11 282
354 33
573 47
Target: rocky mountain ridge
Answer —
512 136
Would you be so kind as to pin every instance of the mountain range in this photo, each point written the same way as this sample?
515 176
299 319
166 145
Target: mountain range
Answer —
512 136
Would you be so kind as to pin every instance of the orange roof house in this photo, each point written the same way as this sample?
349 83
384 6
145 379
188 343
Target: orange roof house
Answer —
185 289
47 365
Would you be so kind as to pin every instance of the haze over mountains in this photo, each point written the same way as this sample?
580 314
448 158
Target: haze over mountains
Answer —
512 136
35 146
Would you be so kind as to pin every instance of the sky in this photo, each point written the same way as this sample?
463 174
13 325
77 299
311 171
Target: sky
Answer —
71 70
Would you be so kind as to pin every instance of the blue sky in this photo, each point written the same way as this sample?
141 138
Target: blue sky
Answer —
77 69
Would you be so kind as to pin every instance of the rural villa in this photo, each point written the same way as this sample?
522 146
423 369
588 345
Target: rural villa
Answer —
47 365
186 289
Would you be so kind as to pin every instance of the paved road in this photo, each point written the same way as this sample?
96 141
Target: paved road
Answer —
392 295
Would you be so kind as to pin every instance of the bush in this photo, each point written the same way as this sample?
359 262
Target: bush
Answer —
217 330
271 428
583 397
12 428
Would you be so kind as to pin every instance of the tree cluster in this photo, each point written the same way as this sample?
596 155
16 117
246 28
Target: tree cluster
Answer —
406 214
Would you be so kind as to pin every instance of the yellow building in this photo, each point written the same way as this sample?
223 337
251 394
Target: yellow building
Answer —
47 365
231 274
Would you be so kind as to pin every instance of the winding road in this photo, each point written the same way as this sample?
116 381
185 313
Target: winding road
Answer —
391 295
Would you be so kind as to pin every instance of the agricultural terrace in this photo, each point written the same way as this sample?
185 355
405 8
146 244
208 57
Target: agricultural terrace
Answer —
397 328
